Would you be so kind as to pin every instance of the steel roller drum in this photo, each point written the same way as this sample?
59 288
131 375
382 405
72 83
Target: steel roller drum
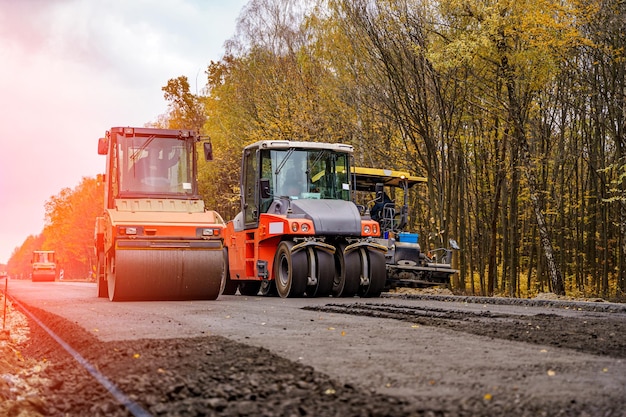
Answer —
166 274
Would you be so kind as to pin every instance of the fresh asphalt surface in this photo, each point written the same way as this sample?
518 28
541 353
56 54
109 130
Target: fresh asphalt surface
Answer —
384 355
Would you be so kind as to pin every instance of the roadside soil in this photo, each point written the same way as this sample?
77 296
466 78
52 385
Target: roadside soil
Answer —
214 376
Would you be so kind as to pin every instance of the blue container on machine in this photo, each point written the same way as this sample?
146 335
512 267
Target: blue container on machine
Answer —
408 237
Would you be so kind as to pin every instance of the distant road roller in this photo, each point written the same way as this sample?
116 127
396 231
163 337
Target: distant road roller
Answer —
299 233
44 267
155 240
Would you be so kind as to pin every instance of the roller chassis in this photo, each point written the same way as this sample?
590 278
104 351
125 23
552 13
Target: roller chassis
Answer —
312 242
155 240
44 267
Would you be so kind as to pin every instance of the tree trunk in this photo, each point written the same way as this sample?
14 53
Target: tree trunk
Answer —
493 239
524 154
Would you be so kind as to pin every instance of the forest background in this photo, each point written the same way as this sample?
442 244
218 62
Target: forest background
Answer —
514 110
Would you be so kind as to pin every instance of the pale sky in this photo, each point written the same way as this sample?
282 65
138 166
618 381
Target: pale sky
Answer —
71 69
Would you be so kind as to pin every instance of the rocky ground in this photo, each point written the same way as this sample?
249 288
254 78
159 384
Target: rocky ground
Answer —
215 376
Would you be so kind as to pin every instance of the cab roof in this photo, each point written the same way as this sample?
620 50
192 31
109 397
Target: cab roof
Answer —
367 178
287 144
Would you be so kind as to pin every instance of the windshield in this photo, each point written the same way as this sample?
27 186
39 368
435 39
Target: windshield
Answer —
307 173
43 257
154 165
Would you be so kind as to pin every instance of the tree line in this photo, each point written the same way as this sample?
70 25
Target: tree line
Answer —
68 230
514 110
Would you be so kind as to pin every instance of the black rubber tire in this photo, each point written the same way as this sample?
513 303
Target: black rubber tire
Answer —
103 289
109 270
268 288
290 271
377 273
325 271
249 288
347 272
229 287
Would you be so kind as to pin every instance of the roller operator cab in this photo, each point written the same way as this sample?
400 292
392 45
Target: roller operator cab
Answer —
155 239
299 232
385 195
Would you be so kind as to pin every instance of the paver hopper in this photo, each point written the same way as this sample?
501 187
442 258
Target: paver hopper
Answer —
407 264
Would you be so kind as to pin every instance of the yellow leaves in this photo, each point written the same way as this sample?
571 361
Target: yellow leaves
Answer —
533 35
136 355
487 397
551 372
343 332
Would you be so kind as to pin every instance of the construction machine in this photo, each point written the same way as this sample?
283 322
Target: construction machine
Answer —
299 232
44 267
155 239
407 265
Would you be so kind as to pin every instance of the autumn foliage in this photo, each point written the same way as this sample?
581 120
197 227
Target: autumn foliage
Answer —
69 231
514 111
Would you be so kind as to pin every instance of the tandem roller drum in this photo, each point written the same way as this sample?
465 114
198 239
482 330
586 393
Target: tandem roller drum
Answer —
165 274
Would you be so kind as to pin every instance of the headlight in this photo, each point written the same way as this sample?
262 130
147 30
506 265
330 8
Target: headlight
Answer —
305 227
294 227
366 229
208 232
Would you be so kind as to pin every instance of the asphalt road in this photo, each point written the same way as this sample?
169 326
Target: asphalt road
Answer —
384 355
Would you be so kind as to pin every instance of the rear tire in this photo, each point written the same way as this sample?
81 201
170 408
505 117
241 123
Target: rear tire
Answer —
109 270
268 288
290 271
229 287
249 288
103 290
324 271
373 266
347 272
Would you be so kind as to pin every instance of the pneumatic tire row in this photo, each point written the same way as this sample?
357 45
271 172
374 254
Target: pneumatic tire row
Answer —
315 272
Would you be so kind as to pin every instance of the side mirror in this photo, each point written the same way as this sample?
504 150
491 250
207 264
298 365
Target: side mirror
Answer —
208 151
379 192
264 184
103 146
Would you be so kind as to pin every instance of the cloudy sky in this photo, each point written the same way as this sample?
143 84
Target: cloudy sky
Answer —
70 69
